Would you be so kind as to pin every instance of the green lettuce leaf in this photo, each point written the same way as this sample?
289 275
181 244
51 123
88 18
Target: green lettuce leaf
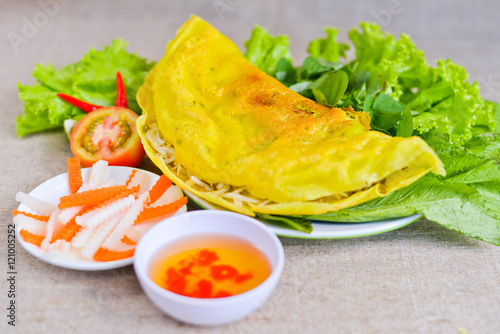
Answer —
392 81
461 110
93 80
404 127
43 110
328 48
466 200
264 50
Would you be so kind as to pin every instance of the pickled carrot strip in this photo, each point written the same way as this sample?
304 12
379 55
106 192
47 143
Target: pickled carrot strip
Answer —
97 217
126 240
91 197
105 255
126 193
131 176
31 215
160 211
172 194
159 188
67 232
32 238
74 174
35 204
97 209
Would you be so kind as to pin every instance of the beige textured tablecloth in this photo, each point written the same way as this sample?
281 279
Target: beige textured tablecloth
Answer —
419 279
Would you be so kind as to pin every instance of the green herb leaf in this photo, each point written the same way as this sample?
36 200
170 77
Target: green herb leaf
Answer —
285 72
294 223
386 111
320 97
330 87
317 66
404 127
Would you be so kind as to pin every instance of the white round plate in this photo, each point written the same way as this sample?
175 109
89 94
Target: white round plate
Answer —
330 230
50 191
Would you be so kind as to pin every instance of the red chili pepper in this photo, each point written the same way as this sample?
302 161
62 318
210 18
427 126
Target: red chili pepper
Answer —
222 293
87 107
176 282
187 269
243 277
205 257
223 271
121 96
205 288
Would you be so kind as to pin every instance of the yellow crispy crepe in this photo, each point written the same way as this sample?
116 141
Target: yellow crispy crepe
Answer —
226 131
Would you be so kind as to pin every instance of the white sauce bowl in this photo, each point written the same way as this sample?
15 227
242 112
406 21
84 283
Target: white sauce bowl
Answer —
212 311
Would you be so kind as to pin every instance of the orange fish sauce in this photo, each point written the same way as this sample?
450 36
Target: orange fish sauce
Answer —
209 266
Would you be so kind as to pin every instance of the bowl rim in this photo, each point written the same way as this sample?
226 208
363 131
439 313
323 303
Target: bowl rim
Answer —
141 268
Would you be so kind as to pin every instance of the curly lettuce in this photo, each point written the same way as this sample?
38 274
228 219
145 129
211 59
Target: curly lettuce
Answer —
93 79
392 81
389 78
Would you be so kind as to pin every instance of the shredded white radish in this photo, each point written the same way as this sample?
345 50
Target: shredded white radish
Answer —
51 226
140 179
93 219
182 209
65 215
172 194
126 221
135 232
121 247
108 183
81 237
31 225
97 174
35 204
100 234
59 245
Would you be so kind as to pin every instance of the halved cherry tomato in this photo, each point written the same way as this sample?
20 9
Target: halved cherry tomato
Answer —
108 134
